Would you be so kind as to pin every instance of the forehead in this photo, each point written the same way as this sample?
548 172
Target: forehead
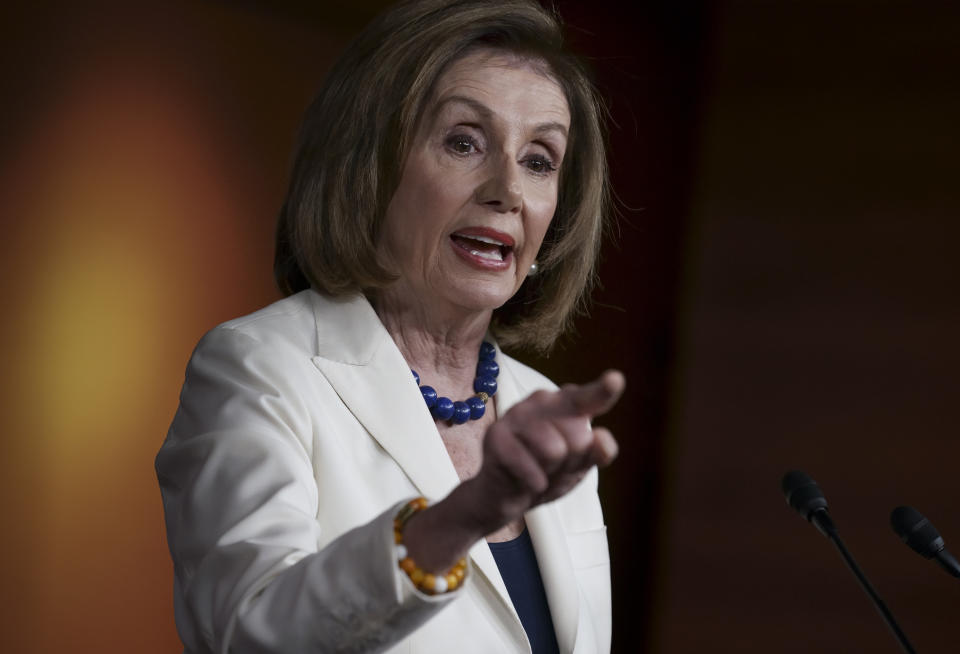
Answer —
516 86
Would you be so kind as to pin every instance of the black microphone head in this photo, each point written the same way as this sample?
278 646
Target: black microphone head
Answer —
802 493
916 531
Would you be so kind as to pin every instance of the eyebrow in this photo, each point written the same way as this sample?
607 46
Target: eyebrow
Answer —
485 112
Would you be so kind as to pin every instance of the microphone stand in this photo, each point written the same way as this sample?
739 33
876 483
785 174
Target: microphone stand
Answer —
821 520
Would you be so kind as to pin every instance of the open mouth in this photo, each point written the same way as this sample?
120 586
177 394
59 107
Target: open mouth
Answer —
483 247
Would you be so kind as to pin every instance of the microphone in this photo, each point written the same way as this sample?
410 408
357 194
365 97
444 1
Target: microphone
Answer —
922 537
806 498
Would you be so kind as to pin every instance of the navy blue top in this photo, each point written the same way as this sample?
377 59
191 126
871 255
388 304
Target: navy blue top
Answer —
521 574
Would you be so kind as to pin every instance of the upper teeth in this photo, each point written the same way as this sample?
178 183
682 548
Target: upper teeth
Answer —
482 239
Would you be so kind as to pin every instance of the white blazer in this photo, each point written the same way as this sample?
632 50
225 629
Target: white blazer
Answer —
300 431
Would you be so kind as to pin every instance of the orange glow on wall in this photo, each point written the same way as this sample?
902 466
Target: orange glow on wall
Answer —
135 218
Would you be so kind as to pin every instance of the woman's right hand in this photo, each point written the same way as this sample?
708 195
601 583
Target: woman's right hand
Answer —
542 447
537 452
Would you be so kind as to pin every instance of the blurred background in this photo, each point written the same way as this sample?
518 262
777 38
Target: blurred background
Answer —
781 289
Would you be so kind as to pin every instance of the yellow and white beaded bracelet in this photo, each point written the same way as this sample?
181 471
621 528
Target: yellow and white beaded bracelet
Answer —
424 581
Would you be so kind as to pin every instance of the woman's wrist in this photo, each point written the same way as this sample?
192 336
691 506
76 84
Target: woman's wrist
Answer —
441 534
432 583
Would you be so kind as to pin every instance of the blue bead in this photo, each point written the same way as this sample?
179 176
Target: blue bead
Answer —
477 407
487 368
461 413
443 409
429 395
485 384
487 352
416 376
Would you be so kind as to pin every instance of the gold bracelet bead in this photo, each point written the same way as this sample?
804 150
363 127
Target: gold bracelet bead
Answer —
451 580
430 584
456 574
417 577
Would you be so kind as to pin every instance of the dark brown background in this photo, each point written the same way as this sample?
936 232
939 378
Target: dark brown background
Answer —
781 291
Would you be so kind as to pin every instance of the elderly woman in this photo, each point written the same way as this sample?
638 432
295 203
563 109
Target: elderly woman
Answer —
446 199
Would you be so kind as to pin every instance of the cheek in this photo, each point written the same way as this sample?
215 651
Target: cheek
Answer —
539 217
407 217
426 203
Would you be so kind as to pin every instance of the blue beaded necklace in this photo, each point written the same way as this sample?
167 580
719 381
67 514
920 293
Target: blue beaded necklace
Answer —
473 408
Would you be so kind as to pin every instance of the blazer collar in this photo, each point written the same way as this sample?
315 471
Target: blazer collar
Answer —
357 355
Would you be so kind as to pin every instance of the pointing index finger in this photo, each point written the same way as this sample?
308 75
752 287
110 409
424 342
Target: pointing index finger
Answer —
600 395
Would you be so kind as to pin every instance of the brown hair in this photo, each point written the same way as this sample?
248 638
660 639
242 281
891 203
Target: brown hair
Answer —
356 133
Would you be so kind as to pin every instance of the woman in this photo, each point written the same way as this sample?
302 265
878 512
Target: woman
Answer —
453 150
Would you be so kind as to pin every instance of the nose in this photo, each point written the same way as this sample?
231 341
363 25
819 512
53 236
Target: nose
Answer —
502 189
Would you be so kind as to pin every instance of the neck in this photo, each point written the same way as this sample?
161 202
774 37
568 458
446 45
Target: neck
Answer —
441 346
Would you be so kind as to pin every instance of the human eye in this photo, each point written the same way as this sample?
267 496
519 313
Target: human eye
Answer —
462 144
540 164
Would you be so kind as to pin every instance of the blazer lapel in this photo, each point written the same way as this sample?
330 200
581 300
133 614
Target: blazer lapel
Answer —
365 368
556 569
360 360
549 540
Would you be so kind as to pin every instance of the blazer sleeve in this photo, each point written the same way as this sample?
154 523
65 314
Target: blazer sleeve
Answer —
240 501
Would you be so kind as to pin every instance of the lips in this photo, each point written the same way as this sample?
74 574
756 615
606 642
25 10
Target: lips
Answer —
481 246
487 248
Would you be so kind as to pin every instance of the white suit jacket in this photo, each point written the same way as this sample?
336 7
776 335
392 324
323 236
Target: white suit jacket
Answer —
300 431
